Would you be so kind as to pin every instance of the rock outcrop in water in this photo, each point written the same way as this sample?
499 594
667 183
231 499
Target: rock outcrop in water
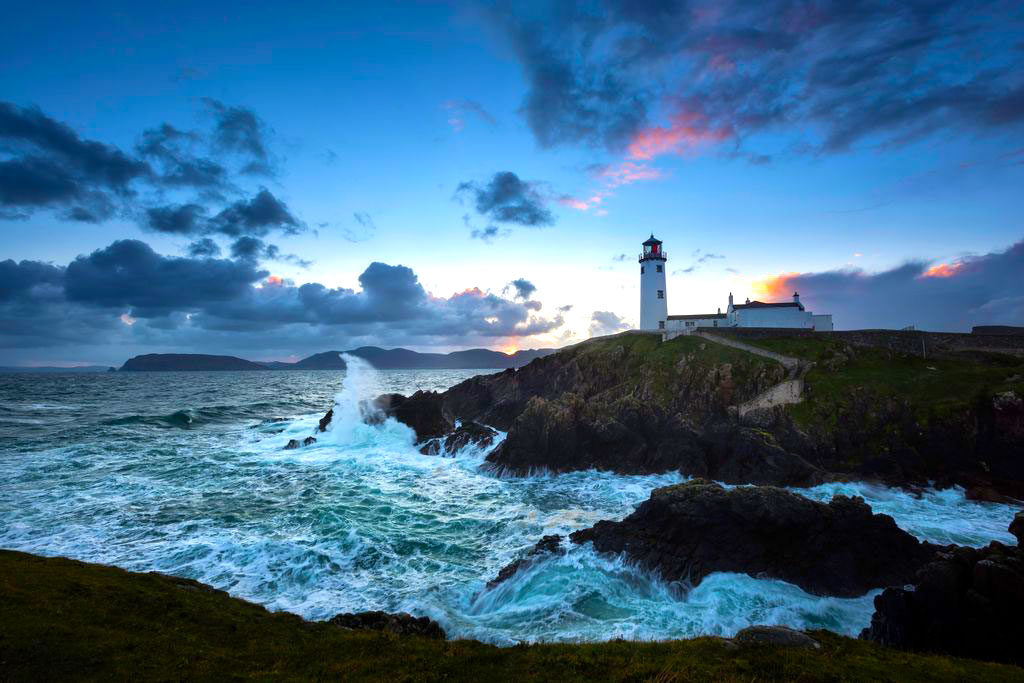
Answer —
966 602
688 531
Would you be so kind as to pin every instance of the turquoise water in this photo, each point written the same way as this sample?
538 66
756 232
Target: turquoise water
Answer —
184 473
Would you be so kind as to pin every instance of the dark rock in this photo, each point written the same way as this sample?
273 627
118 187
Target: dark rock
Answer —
688 531
423 411
987 494
326 420
775 636
309 441
400 624
464 435
966 602
548 545
469 433
292 443
1017 528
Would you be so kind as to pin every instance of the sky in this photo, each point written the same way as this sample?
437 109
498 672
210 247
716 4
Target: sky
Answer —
271 180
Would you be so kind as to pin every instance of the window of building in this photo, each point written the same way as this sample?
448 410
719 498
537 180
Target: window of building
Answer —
659 268
714 323
641 270
690 323
661 324
661 293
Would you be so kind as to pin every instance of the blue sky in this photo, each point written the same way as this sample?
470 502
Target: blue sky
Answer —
762 138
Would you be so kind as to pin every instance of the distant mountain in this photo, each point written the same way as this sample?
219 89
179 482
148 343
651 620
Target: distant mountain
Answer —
187 361
385 359
57 369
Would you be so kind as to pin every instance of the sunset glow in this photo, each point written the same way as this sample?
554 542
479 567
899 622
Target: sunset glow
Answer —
686 133
943 270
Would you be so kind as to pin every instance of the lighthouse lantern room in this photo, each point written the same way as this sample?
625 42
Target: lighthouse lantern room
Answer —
653 298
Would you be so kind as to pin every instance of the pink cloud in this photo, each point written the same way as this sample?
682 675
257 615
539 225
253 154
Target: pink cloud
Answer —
628 172
686 132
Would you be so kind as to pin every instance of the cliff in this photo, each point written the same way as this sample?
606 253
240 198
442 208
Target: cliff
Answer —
67 620
633 404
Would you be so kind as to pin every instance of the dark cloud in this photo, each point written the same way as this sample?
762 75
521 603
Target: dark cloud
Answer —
171 150
524 288
48 165
240 130
126 294
257 216
254 249
620 258
18 279
129 274
183 219
606 322
951 296
507 199
45 165
204 247
657 77
565 309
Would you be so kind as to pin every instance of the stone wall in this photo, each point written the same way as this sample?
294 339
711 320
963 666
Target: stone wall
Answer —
783 393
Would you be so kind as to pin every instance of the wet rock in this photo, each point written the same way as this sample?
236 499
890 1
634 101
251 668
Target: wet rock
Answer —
423 411
469 433
402 624
548 545
464 435
1017 528
292 444
309 441
688 531
326 420
966 602
775 636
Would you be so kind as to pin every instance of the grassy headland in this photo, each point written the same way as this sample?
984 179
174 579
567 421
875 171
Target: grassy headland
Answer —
67 620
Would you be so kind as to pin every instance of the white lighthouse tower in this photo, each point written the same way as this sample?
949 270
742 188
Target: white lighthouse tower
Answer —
653 297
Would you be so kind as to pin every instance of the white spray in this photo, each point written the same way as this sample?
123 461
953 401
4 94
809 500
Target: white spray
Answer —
356 419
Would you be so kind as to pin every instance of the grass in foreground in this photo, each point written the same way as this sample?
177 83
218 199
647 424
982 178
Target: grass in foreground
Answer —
61 619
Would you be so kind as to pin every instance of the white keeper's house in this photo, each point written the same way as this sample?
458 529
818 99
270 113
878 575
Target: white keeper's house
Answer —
654 304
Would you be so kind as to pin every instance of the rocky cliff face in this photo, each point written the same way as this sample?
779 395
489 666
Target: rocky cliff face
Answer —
967 602
630 404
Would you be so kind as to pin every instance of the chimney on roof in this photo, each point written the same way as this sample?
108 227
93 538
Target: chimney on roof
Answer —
748 299
796 297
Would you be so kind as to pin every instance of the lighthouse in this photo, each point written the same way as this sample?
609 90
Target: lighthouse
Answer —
653 298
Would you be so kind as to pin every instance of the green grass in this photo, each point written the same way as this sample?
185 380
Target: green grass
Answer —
639 358
935 386
67 620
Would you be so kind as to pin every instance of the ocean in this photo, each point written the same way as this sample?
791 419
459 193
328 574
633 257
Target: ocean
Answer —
185 473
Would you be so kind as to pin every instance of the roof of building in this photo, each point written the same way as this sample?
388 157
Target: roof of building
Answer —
762 304
699 316
651 241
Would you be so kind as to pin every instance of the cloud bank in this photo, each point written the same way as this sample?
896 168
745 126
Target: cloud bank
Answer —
974 290
677 76
127 295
